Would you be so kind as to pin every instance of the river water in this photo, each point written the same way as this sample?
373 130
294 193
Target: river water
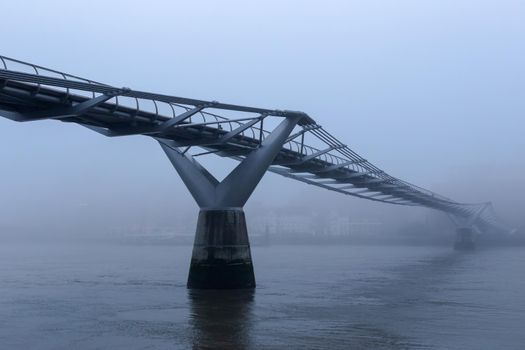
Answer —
87 296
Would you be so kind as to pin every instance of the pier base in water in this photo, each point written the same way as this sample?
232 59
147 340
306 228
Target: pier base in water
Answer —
464 239
221 256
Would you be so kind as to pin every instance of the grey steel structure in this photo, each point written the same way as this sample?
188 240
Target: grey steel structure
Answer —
297 148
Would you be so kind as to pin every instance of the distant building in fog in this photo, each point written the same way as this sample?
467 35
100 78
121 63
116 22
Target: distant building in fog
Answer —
296 225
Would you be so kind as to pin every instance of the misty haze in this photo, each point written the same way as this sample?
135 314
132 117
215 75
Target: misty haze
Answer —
262 175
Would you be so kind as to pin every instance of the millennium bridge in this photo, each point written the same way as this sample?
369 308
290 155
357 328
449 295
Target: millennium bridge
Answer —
289 143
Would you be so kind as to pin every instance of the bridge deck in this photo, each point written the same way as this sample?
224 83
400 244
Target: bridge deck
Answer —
113 112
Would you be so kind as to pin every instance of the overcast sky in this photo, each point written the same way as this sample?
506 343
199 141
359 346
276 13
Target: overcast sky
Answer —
433 92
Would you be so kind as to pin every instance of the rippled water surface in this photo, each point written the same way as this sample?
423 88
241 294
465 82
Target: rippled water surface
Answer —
329 297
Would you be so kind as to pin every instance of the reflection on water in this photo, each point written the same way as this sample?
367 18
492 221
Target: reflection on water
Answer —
308 297
221 319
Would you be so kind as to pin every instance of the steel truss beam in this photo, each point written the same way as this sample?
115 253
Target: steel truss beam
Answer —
339 166
63 111
305 129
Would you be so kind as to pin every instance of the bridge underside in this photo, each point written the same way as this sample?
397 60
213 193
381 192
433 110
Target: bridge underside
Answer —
297 148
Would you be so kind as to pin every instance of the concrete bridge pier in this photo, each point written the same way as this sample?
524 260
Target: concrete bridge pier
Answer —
466 228
464 239
221 257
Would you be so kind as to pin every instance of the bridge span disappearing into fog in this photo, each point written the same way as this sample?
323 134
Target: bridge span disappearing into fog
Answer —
289 143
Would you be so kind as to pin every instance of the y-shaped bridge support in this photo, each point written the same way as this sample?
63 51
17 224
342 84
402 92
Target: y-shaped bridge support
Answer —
221 253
